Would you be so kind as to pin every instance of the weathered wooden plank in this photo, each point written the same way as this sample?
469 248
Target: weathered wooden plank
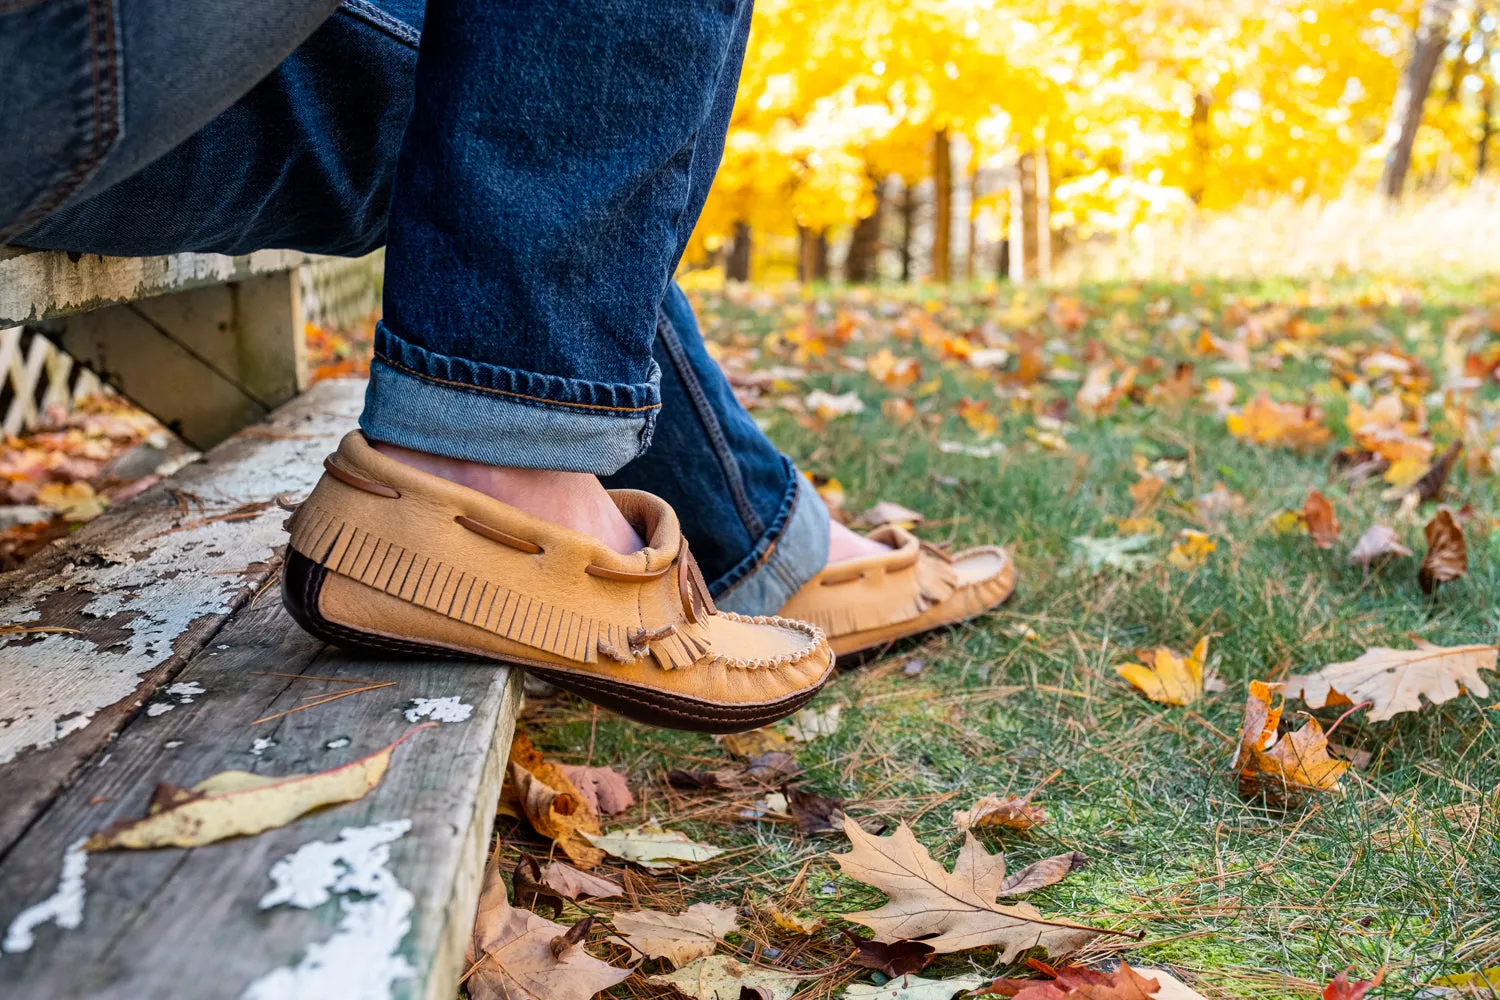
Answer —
36 286
165 923
145 586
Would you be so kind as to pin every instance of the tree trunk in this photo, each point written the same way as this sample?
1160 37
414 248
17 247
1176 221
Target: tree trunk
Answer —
971 258
1406 114
737 260
1002 258
1024 262
860 265
812 255
1487 127
1202 104
908 223
942 206
1043 230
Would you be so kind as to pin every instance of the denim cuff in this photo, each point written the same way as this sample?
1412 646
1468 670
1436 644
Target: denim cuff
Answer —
479 412
795 557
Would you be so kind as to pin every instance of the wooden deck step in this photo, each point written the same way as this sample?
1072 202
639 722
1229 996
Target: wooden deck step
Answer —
182 646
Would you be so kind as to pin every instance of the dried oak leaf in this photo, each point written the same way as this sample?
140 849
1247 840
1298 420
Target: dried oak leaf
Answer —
1342 989
1396 680
1290 766
1447 555
1171 679
1319 519
679 938
539 790
1014 812
949 911
238 803
719 977
573 883
898 958
1379 542
517 955
604 789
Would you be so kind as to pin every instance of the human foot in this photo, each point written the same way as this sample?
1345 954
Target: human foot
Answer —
902 588
384 556
844 544
574 500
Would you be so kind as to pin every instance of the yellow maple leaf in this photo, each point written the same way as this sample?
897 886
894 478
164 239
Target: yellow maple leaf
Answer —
1191 551
1171 679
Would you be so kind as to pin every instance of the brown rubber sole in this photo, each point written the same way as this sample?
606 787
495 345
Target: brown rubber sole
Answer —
302 583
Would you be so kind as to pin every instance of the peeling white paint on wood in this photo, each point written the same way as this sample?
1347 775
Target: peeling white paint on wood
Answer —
184 693
260 745
147 578
63 908
337 744
159 708
362 960
439 709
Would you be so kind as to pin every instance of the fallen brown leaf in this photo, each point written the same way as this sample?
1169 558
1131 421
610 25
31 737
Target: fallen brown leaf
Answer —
1124 983
1287 767
604 789
949 911
1396 680
677 937
1013 812
1377 543
573 883
1430 486
719 977
516 955
1447 555
899 958
238 803
1319 519
1040 874
540 791
755 743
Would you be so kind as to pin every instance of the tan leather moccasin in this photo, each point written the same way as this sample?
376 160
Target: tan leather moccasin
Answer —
387 558
864 603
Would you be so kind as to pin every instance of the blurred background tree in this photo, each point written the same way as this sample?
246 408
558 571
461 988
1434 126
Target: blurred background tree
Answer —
961 139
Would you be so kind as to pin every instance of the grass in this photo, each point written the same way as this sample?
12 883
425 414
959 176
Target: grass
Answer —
1241 899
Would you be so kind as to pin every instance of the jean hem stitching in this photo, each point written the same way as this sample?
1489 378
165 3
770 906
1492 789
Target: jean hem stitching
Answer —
466 386
382 21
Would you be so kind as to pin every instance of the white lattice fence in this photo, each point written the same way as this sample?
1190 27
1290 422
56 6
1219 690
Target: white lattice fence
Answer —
35 374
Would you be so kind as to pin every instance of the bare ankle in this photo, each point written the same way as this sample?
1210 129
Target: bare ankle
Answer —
575 500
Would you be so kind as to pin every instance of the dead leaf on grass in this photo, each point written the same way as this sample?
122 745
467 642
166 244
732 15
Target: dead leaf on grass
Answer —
1191 550
1040 874
1447 555
604 789
810 723
1378 543
1170 679
238 803
652 848
789 921
1342 989
1285 768
574 883
1319 519
540 791
1430 486
679 938
949 911
899 958
912 988
1122 983
1396 680
1013 812
719 977
516 955
755 742
886 512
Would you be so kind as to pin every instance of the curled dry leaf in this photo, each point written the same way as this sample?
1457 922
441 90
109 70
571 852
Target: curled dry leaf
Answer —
1040 874
238 803
886 512
1430 486
679 938
1447 555
1123 983
1013 812
1342 989
789 921
604 789
719 977
529 891
652 848
1170 679
573 883
517 955
1319 519
898 958
949 911
539 790
1396 680
1378 543
1282 768
816 815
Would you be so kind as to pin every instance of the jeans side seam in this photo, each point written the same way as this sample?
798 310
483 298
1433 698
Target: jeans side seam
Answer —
710 423
515 395
104 71
378 18
741 571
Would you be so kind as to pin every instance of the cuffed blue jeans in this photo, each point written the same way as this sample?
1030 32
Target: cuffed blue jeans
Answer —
533 168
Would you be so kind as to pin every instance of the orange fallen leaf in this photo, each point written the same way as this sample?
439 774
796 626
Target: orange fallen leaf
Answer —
1282 768
1266 422
1342 989
1318 517
1014 812
541 791
1170 679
